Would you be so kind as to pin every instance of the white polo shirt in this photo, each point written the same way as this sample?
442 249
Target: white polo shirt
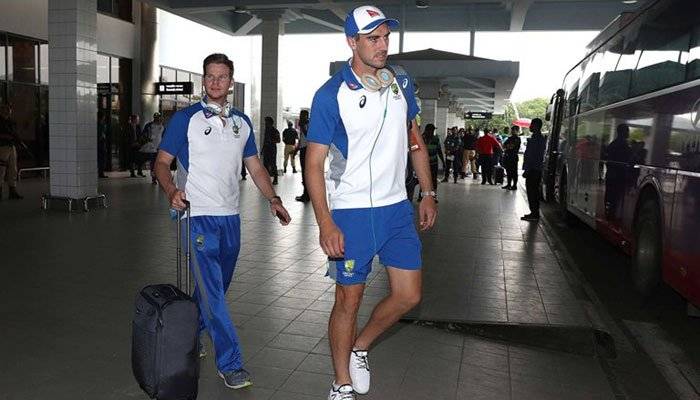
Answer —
367 133
209 157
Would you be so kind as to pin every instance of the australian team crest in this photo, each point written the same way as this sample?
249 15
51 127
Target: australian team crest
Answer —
395 90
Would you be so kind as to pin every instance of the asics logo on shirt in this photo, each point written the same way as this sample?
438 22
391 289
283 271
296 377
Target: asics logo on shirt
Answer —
207 131
363 100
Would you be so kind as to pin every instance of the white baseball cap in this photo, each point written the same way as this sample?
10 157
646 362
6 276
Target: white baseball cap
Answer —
365 19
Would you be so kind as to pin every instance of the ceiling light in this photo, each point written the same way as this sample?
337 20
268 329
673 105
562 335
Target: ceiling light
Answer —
629 1
422 4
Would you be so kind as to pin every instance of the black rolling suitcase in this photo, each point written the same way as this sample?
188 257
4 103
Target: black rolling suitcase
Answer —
499 173
165 339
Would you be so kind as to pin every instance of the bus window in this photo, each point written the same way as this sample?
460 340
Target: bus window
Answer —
663 41
571 88
694 56
590 82
613 83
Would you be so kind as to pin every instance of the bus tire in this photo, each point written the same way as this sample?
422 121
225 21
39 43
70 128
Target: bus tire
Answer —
646 263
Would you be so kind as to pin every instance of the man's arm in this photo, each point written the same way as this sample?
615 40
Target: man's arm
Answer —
176 197
261 178
419 159
330 237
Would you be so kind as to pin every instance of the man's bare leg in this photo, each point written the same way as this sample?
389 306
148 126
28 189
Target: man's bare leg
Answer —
405 294
342 328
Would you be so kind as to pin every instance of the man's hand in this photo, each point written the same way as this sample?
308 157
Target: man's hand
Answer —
177 200
279 211
331 239
428 212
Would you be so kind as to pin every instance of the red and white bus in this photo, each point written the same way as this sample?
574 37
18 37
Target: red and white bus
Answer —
624 152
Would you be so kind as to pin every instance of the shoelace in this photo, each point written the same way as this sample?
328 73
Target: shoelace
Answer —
361 361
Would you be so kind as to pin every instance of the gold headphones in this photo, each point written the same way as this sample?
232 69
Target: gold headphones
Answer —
383 78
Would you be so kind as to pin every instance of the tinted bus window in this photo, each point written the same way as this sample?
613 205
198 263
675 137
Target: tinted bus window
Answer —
663 41
613 83
571 88
694 56
590 81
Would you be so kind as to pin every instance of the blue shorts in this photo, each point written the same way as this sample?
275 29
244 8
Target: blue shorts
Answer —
388 231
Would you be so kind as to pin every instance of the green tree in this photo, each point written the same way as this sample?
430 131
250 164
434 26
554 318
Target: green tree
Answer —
534 108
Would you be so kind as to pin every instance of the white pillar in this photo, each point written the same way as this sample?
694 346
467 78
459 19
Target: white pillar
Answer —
73 98
149 71
427 112
441 122
270 98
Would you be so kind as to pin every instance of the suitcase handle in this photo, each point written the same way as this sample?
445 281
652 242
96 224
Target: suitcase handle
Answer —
188 251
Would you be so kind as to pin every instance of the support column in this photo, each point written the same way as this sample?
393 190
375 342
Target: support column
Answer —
402 27
73 98
270 97
472 41
149 61
441 116
429 94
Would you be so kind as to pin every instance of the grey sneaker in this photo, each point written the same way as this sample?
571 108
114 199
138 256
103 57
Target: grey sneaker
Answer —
343 392
237 379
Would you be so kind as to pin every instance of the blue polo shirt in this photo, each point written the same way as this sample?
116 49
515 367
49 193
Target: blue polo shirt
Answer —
367 135
210 152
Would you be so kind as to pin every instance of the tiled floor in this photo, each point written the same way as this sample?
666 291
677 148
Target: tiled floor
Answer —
69 283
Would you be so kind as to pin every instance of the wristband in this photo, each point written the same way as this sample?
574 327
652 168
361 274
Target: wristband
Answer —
430 193
275 197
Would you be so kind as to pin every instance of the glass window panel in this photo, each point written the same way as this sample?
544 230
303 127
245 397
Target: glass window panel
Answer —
590 83
44 63
167 75
3 60
181 76
21 59
196 87
114 70
26 109
694 56
102 68
664 41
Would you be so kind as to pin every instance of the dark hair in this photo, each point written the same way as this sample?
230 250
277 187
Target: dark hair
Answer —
269 119
537 123
218 58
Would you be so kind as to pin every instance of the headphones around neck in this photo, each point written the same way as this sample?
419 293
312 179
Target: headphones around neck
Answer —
216 108
383 78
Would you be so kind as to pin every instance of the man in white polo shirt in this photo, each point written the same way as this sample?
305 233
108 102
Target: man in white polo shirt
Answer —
212 141
363 119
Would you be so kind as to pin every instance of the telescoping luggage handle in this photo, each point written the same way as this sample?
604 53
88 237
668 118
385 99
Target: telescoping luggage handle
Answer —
188 251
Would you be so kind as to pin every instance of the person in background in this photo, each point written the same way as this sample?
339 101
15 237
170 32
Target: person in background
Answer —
133 143
8 152
453 153
469 153
303 130
532 167
432 141
102 131
269 149
485 147
510 158
289 137
151 137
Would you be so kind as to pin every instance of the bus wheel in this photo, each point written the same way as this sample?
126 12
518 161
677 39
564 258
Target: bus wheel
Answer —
646 265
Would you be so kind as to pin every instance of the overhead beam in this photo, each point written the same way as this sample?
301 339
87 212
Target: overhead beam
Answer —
518 13
246 28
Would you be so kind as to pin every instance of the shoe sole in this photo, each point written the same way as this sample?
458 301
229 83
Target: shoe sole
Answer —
241 386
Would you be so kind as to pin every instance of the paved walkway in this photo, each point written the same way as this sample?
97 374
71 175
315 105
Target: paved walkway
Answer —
70 281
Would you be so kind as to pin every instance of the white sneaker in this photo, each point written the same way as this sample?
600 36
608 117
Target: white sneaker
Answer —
343 392
359 371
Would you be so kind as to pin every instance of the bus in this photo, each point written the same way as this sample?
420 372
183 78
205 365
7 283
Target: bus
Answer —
623 154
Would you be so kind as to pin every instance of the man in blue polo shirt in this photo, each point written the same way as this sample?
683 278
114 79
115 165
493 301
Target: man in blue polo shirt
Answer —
212 141
363 119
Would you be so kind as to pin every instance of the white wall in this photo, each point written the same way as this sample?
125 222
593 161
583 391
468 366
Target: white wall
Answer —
30 18
25 17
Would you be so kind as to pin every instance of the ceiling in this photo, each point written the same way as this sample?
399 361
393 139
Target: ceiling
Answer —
243 17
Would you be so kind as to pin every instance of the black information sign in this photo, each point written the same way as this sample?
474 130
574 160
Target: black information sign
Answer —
173 87
478 115
108 88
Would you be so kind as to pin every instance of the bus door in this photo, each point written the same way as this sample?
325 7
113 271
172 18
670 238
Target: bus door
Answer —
589 172
554 114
